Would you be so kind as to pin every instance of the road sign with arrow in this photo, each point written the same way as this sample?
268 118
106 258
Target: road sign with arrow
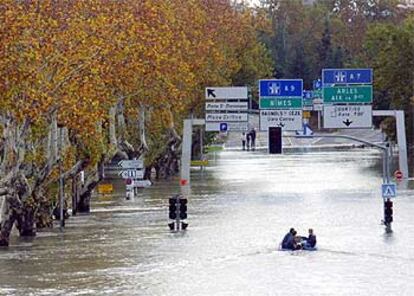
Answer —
213 93
131 164
288 120
347 116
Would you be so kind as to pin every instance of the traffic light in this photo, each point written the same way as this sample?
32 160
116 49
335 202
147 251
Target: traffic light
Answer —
171 225
183 208
388 211
275 140
184 225
172 208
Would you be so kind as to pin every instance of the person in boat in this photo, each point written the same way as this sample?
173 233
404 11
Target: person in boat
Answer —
288 240
310 241
297 241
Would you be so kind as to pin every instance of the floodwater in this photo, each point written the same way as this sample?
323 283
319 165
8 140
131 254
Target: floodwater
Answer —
239 210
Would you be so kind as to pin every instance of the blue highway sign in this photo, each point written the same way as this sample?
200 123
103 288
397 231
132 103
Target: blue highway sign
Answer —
307 94
281 88
317 84
347 76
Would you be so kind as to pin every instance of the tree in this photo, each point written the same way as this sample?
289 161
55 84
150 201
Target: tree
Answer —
388 49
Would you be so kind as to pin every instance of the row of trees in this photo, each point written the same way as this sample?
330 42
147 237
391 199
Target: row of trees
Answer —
378 34
82 82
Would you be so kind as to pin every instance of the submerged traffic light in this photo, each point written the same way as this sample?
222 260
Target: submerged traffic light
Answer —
177 211
388 211
183 208
275 140
172 208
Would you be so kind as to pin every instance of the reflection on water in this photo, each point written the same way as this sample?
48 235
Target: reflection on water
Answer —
239 210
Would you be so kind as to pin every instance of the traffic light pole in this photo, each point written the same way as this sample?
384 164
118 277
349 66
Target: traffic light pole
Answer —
177 212
385 165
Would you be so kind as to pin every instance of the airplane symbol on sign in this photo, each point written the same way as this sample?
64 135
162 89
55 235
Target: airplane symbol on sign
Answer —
340 76
274 88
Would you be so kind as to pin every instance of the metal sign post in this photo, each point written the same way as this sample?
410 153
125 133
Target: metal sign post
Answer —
385 166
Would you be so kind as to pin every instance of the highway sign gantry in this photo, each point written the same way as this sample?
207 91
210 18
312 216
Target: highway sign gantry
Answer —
347 94
347 116
281 102
347 76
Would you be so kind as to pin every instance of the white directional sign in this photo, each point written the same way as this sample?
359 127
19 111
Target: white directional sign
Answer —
226 106
132 174
288 120
231 126
226 117
237 92
141 183
347 116
389 190
131 164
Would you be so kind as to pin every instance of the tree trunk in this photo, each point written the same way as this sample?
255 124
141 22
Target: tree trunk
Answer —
83 205
6 227
26 222
11 209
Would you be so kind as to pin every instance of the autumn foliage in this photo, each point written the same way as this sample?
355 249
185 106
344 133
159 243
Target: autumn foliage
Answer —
77 62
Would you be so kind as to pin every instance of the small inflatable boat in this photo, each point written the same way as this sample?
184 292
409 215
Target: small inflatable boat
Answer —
304 248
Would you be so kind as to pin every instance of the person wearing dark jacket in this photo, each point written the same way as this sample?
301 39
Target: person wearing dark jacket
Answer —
288 240
310 240
253 138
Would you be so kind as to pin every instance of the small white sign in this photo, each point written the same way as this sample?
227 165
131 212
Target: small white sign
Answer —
131 164
226 117
132 174
238 92
347 116
141 183
317 107
226 106
288 120
231 126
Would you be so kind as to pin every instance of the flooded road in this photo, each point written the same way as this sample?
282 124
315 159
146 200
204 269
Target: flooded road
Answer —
239 210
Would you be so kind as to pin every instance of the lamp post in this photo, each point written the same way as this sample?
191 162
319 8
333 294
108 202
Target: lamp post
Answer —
61 181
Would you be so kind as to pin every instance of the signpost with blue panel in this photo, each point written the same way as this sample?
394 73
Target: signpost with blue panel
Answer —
346 76
317 84
281 88
389 190
281 102
308 100
347 90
